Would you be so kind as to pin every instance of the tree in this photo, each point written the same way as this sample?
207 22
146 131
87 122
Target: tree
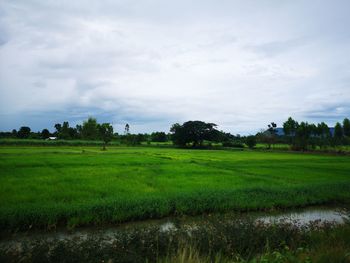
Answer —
290 127
338 133
313 135
193 132
303 134
270 134
14 133
58 128
106 133
178 135
64 132
23 132
90 129
78 129
250 141
45 133
346 127
323 134
127 129
133 139
72 132
323 130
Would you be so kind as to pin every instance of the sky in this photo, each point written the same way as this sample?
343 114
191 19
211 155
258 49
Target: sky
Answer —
152 63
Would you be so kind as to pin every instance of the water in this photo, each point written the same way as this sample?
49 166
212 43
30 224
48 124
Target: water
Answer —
306 216
146 234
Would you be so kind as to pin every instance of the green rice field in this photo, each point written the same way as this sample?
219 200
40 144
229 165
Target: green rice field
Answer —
50 186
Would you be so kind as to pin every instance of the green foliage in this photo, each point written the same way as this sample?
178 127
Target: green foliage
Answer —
40 142
304 135
159 137
133 139
89 129
45 133
23 132
250 141
193 132
290 127
105 133
233 144
346 127
83 185
338 131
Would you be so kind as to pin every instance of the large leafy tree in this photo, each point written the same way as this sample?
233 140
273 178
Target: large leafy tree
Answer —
193 132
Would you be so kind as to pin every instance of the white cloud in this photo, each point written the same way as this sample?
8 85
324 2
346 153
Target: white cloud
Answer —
237 63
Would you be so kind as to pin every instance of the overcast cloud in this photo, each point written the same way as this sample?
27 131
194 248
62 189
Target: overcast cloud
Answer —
240 64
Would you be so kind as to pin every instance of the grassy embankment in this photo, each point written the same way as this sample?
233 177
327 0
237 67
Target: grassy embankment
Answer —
210 241
45 186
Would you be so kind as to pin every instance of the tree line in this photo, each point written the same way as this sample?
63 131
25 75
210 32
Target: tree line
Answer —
304 136
300 136
88 130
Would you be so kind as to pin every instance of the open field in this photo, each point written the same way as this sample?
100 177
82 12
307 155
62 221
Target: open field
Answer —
45 186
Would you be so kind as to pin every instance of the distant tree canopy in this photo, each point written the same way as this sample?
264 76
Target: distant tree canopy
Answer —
159 137
250 141
89 129
23 132
302 135
346 127
193 132
45 133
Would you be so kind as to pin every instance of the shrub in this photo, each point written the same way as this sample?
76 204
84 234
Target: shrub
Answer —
250 141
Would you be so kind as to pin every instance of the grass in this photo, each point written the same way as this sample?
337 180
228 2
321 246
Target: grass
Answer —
287 147
253 242
46 186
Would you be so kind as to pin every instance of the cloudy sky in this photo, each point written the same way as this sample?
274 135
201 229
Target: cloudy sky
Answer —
151 63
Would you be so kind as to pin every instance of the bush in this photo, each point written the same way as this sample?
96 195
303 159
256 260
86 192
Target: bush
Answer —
250 141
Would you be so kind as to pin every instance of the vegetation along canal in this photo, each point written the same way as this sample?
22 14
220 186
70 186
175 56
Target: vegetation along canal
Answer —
154 239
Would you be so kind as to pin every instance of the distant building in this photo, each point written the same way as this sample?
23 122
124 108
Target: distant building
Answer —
51 138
